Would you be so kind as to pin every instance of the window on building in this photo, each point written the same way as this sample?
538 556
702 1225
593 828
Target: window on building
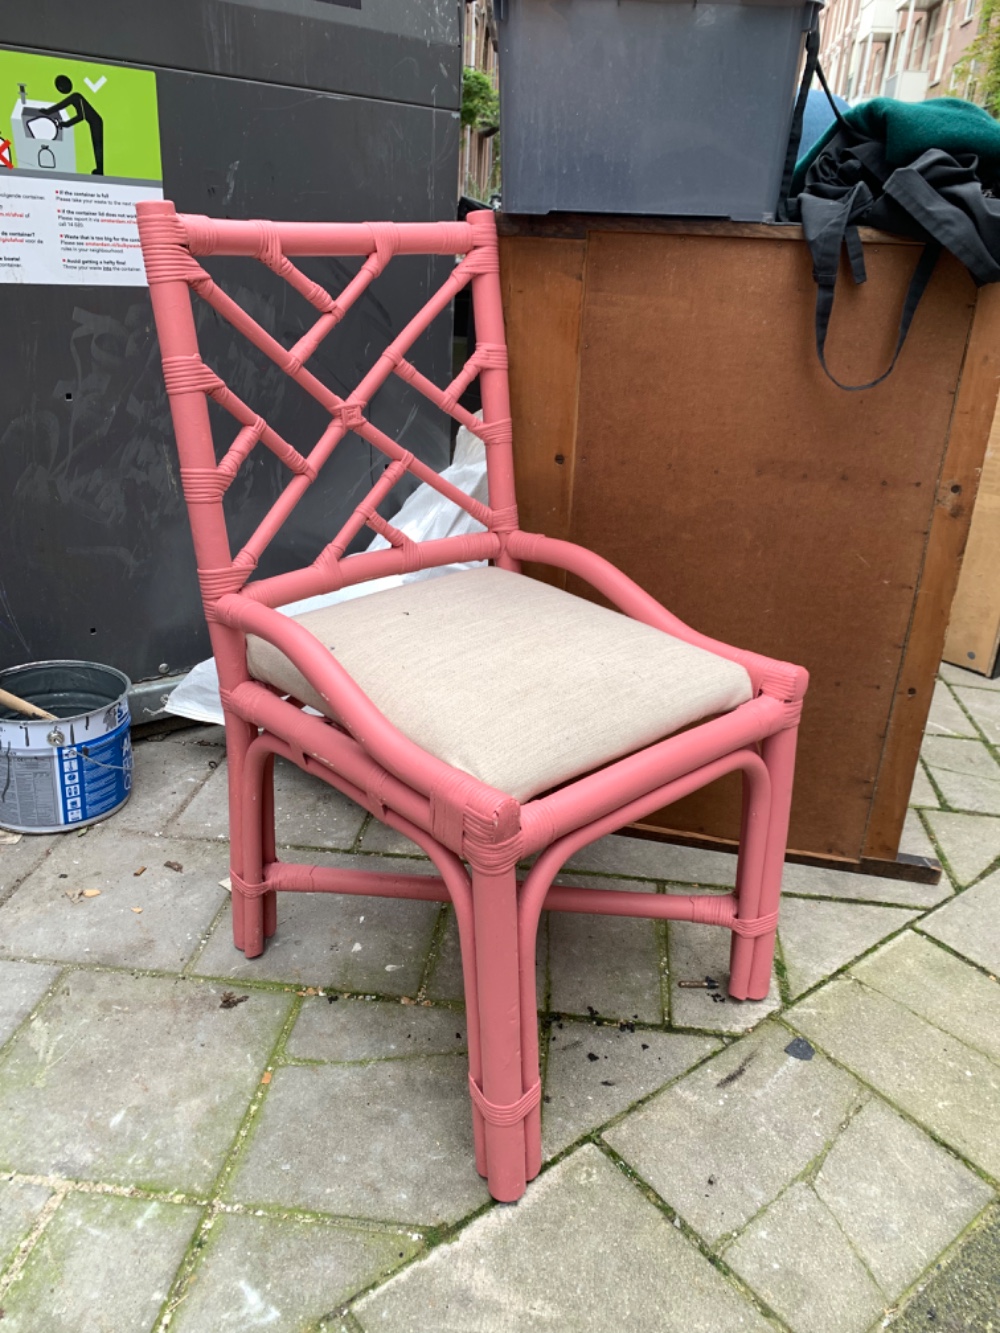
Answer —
933 23
970 9
916 52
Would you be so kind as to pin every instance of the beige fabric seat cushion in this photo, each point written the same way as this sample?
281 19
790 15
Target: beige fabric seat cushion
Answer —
518 683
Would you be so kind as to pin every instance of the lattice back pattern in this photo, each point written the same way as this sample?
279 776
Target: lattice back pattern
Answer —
170 242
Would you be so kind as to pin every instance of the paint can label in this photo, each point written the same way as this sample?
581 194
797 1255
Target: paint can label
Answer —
96 777
59 785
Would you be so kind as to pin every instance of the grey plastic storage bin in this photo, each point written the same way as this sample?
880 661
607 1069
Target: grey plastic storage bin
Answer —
648 106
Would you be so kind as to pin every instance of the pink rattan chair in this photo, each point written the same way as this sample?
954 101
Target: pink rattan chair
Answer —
488 717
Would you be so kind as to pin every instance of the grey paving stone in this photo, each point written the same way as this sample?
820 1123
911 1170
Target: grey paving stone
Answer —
308 812
40 921
945 717
697 952
205 735
373 1030
939 987
970 923
582 1092
962 1295
445 982
282 1275
797 1258
946 1086
445 979
391 1140
22 985
913 840
922 793
134 1080
20 858
20 1204
974 794
380 837
319 933
984 707
101 1264
620 1265
165 778
959 676
819 938
969 842
582 963
947 754
606 963
824 882
722 1142
898 1197
619 854
965 772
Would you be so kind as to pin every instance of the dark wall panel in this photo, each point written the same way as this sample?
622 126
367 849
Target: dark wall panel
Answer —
95 552
400 50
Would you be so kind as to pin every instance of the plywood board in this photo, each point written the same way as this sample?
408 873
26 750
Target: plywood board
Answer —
714 463
955 495
543 290
974 630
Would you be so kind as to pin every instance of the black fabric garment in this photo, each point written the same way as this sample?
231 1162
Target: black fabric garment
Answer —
938 198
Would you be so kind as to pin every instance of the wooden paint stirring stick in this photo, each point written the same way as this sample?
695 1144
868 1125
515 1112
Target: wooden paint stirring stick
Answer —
22 706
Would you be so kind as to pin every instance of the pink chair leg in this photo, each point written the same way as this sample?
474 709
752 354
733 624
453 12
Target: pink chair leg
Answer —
238 737
779 754
462 904
530 1072
494 898
267 845
248 785
754 831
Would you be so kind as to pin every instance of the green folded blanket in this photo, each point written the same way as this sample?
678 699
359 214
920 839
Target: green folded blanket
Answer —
909 128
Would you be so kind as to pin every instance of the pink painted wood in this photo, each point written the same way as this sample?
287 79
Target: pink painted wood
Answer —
452 816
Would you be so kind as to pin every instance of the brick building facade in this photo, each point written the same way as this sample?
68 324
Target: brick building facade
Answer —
908 50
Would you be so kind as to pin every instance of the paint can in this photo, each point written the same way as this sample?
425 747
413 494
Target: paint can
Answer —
77 770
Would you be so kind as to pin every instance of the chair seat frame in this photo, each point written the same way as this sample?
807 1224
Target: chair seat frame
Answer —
474 835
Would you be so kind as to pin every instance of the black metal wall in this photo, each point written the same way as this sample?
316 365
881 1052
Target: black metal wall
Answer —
308 109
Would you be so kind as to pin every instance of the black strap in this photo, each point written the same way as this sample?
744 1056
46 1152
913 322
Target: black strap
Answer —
795 134
824 309
831 99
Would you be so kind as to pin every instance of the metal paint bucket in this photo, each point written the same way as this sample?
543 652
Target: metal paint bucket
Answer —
77 770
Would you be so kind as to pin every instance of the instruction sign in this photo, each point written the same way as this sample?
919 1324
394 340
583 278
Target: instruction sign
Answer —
79 148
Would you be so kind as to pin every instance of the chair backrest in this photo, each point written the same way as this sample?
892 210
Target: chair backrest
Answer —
170 242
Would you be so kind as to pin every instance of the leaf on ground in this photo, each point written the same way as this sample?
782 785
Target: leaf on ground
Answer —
173 865
230 999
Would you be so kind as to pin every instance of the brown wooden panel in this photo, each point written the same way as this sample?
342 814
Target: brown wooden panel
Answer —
955 497
579 226
974 629
543 291
718 467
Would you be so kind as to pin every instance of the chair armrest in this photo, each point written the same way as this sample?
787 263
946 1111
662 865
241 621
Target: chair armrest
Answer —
767 675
